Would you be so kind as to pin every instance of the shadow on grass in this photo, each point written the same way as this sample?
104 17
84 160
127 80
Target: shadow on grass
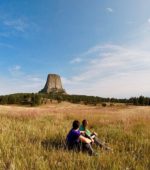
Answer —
49 144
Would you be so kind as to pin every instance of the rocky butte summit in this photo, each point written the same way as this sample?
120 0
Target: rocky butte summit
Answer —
53 84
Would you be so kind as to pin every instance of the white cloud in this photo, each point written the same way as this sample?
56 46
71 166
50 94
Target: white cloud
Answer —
20 84
149 20
15 70
34 78
139 38
76 60
109 10
112 71
19 24
13 26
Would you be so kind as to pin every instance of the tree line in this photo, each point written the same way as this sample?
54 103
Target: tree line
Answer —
35 99
31 99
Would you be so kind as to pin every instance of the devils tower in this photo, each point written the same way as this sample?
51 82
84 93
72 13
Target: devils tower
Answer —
53 84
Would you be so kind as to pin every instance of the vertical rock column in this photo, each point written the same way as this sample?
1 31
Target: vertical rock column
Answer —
53 83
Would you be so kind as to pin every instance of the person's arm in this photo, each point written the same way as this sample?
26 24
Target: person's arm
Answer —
95 134
82 132
84 139
90 137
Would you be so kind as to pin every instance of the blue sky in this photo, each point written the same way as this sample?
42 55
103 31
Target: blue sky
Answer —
98 47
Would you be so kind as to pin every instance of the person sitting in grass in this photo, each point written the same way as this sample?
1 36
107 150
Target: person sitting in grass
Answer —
76 141
92 136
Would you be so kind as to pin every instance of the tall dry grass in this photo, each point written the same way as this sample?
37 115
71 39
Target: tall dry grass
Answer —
33 138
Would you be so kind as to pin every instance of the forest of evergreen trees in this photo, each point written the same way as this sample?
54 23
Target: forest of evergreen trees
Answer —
35 99
21 99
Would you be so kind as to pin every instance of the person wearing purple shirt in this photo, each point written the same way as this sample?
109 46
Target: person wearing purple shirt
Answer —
76 141
73 136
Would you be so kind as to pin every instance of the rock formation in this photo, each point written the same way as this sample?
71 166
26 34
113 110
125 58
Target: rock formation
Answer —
53 84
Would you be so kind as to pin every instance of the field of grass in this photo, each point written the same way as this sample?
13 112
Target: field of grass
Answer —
33 138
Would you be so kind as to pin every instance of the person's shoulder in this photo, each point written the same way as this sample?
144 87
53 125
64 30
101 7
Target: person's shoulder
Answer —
76 132
81 128
73 131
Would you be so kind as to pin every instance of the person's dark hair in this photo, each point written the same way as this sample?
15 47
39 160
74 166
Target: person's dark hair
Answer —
84 122
75 124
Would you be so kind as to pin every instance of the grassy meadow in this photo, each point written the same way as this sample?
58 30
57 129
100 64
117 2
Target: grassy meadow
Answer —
33 138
